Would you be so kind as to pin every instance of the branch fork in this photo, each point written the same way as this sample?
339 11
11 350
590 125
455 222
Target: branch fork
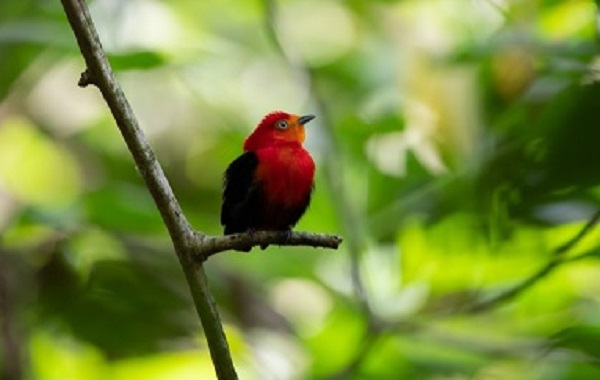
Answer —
192 247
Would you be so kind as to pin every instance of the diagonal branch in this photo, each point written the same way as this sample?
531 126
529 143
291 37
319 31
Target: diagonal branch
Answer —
560 251
556 261
100 73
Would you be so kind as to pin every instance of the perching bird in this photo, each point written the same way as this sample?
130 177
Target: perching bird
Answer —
269 186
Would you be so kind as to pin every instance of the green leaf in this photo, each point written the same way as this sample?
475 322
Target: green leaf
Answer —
582 338
123 207
139 60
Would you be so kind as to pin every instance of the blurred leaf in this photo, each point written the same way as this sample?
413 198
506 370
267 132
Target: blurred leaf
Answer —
122 309
34 168
169 365
20 56
468 149
573 132
90 247
26 29
123 207
549 161
139 60
567 19
56 358
431 359
582 371
451 254
582 338
343 327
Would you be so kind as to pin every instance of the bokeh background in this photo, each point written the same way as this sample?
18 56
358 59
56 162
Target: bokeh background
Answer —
458 153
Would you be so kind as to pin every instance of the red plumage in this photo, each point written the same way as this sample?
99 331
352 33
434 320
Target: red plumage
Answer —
270 185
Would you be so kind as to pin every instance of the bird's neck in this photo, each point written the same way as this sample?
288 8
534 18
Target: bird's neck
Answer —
254 144
285 153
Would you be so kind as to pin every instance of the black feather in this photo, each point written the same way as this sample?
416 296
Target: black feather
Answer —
242 198
245 207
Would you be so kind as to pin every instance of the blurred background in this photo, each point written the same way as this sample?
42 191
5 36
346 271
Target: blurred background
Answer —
458 153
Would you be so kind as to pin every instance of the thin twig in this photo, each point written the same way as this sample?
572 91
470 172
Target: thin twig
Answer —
425 332
580 235
594 253
413 327
86 79
556 261
432 334
211 245
514 291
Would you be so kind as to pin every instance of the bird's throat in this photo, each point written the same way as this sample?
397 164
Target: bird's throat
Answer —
287 174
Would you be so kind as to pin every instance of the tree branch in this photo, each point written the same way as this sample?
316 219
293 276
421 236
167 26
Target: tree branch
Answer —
557 260
11 366
415 326
192 247
100 73
211 245
560 251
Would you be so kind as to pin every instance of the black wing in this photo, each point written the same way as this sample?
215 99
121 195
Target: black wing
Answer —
241 196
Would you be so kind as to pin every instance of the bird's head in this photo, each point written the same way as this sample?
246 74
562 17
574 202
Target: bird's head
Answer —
278 127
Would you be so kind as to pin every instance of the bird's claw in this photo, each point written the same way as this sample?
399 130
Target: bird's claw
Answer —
250 232
288 234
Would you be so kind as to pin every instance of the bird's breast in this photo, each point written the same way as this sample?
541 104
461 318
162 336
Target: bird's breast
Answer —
286 173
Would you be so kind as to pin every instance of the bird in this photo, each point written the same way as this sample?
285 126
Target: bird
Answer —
269 186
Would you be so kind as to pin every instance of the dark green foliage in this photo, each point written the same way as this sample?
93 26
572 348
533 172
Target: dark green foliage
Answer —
457 147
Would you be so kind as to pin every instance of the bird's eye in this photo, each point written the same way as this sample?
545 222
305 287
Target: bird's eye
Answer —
282 124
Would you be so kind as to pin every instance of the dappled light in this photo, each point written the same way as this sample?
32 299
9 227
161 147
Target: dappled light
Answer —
457 152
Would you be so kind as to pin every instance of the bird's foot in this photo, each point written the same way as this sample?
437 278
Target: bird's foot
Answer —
264 246
288 234
287 231
250 232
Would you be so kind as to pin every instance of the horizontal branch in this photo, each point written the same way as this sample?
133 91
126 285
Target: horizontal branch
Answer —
206 246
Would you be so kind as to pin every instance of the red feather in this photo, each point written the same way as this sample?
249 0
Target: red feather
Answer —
264 132
269 187
287 173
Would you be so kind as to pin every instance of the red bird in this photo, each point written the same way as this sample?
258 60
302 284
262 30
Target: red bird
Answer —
269 186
